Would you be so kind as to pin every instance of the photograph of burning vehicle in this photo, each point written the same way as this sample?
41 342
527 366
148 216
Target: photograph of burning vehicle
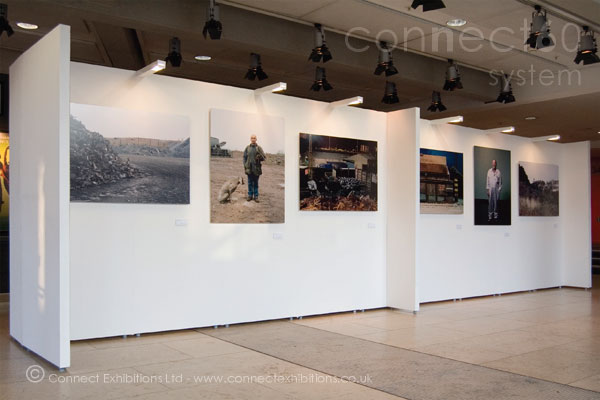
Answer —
126 156
337 174
247 168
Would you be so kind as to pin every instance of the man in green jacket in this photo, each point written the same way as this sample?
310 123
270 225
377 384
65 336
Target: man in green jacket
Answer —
253 157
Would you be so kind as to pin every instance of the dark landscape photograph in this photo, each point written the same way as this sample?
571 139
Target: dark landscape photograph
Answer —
124 156
538 190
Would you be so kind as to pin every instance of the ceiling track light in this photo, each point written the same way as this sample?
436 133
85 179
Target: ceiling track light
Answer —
385 63
453 80
506 94
4 24
436 103
213 26
391 93
174 56
588 48
428 5
320 51
539 34
320 81
255 70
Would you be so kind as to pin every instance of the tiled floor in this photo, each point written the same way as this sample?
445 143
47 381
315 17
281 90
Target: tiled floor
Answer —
551 335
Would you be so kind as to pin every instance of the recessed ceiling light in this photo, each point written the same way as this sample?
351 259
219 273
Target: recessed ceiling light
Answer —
456 22
26 25
203 58
530 118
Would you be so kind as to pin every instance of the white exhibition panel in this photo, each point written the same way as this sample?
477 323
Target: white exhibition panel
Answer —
576 211
458 259
39 216
403 207
134 271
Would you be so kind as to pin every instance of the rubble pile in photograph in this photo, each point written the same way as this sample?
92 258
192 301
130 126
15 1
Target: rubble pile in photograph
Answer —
93 161
178 149
350 203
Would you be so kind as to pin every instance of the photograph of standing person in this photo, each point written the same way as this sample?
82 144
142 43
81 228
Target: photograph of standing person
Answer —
492 186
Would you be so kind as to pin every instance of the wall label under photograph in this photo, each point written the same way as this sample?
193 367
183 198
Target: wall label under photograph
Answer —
247 168
126 156
441 189
538 190
492 186
337 174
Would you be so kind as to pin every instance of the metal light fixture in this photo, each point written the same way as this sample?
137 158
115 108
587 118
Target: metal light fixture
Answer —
320 81
539 35
320 51
255 70
174 56
428 5
4 24
436 103
391 94
587 48
213 25
385 62
453 80
506 94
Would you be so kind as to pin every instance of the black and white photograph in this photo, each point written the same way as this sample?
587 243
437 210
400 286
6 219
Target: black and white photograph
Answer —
337 174
126 156
247 168
538 190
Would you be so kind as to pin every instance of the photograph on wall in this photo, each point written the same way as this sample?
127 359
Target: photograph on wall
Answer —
4 188
125 156
538 190
337 174
492 186
247 168
441 190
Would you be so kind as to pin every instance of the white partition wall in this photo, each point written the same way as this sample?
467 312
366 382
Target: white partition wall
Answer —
403 130
458 259
39 215
133 270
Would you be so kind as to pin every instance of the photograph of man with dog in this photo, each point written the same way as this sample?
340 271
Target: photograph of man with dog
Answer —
247 168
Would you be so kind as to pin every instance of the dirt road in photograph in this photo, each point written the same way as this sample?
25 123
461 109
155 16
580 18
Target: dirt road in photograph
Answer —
164 180
271 188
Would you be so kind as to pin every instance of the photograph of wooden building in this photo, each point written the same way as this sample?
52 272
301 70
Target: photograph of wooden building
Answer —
441 182
337 174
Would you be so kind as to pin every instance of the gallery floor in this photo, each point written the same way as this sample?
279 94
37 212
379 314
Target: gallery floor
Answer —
540 345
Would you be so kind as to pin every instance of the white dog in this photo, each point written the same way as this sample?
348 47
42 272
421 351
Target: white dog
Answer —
228 188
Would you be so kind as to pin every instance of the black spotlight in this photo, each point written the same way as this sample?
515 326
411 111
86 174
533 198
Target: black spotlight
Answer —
320 81
391 93
385 62
320 51
587 48
539 36
174 56
4 25
452 77
213 26
436 103
428 5
255 70
506 94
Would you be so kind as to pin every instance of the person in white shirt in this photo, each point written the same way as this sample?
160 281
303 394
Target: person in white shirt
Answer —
493 186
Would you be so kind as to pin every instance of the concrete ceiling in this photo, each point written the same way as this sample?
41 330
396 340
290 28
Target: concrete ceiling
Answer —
131 33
